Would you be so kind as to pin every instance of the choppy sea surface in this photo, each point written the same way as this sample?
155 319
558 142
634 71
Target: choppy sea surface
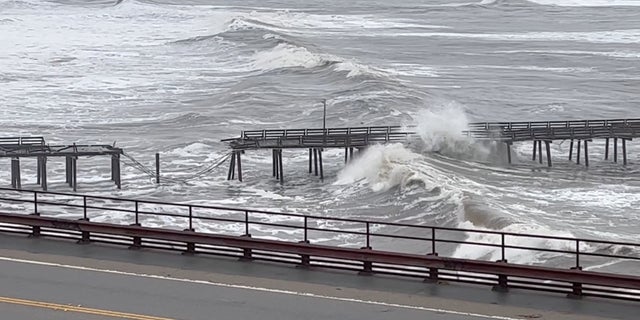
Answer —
176 77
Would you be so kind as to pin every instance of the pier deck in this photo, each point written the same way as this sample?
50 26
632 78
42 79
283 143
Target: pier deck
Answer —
35 147
315 140
580 131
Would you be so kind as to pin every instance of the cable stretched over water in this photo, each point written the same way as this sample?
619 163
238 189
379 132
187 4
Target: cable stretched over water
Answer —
205 170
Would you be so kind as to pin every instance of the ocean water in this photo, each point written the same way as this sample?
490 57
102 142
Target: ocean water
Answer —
176 77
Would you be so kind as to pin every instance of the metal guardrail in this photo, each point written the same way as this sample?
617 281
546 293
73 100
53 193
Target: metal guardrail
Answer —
431 238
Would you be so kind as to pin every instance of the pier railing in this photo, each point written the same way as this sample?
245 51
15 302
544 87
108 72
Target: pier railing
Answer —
318 138
250 235
555 130
21 141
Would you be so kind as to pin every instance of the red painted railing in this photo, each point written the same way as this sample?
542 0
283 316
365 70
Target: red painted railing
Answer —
248 239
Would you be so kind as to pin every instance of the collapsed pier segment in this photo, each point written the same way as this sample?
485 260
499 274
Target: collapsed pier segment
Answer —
36 147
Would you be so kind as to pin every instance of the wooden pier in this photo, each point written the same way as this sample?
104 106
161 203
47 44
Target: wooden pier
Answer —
578 132
313 140
35 147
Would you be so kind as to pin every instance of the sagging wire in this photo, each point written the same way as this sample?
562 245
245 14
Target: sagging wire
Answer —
152 173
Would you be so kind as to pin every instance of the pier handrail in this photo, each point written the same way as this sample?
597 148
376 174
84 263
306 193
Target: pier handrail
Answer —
21 141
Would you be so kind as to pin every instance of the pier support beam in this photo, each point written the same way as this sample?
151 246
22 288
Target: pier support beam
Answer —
624 152
615 149
16 182
311 156
42 169
320 160
606 149
74 173
578 152
508 152
535 144
117 177
540 150
232 167
239 160
571 150
315 160
548 146
280 168
586 153
67 170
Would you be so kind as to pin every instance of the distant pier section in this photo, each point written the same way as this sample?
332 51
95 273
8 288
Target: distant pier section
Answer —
313 140
578 132
35 147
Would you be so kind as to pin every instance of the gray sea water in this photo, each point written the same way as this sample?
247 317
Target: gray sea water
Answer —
175 77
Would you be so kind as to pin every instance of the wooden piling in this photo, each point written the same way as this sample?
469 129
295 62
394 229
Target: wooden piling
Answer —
43 173
74 176
67 170
280 165
547 144
239 159
586 153
606 149
509 152
320 161
346 155
273 162
15 169
534 150
38 167
571 150
624 152
315 160
157 168
351 153
578 152
615 149
118 176
232 165
540 150
310 157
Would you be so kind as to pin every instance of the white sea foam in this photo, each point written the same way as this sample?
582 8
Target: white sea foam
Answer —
610 36
516 255
286 55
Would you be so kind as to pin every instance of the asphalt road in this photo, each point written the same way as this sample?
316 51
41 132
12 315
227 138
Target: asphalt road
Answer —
49 279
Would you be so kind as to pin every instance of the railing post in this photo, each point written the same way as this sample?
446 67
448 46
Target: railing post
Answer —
305 259
367 266
576 287
191 246
137 241
502 285
246 252
433 272
86 237
84 207
306 238
35 230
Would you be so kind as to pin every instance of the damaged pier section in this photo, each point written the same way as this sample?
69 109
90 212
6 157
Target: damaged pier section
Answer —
35 147
313 140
